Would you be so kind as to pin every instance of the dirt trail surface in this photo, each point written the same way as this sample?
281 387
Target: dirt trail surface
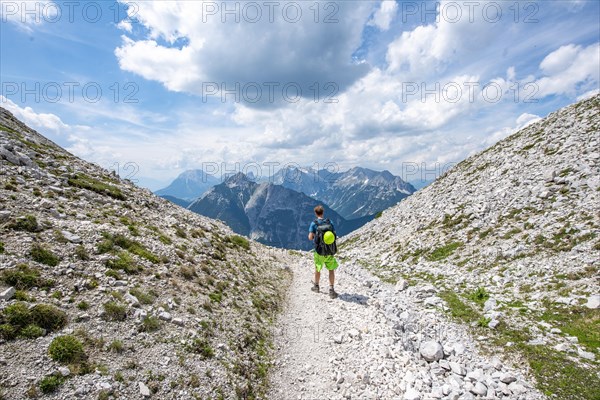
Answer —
379 341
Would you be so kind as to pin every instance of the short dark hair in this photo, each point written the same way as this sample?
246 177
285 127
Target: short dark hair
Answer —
319 210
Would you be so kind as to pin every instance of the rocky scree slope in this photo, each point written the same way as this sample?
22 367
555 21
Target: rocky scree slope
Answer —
509 242
107 291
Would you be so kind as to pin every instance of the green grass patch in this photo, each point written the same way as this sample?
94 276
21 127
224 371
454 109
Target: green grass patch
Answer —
116 346
150 324
114 311
50 384
66 349
125 263
202 346
27 223
43 255
443 252
134 247
19 320
81 253
479 296
165 239
143 297
239 241
83 181
483 234
581 322
459 309
215 297
24 277
31 332
556 374
48 317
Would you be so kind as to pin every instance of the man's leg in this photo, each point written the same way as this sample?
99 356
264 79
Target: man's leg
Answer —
332 293
318 266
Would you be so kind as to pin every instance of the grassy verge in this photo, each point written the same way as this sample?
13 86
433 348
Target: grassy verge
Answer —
86 182
555 372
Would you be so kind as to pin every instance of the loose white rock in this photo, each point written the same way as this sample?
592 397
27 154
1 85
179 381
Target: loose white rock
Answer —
431 351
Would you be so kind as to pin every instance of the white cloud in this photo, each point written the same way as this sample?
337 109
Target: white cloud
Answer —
186 46
430 49
125 25
570 70
384 15
42 121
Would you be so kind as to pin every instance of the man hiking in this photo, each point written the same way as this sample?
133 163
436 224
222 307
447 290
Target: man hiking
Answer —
322 232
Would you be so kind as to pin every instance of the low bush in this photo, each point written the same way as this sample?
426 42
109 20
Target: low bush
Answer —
239 241
48 317
32 331
50 384
43 255
114 311
150 324
66 349
25 277
27 223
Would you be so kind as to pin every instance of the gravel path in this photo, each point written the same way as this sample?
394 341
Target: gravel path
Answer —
372 341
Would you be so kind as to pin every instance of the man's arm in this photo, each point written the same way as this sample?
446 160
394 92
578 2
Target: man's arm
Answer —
311 231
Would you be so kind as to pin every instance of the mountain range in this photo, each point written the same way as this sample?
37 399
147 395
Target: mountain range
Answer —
355 193
271 214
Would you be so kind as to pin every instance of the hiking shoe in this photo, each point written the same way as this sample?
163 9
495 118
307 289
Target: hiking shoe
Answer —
315 288
332 293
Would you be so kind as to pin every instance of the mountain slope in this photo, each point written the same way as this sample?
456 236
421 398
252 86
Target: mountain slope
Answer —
355 193
361 191
271 214
516 227
189 185
99 275
176 200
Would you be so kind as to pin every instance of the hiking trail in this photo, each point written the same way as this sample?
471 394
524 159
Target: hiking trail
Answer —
371 343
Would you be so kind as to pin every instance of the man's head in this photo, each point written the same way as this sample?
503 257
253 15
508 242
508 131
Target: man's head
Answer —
319 211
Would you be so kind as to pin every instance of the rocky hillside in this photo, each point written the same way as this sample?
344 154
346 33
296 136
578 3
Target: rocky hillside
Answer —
107 291
272 214
508 242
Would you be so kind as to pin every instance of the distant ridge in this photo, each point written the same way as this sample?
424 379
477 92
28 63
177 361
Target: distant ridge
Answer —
269 213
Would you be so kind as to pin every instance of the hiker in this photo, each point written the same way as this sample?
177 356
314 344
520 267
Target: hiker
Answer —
322 232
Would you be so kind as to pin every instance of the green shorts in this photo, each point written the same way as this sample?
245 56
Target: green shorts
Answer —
328 261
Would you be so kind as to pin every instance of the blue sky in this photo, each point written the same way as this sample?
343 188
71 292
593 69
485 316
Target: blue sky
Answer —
378 84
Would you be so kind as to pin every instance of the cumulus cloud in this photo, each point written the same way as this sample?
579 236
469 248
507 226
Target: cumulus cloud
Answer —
45 122
384 15
570 70
430 49
188 44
